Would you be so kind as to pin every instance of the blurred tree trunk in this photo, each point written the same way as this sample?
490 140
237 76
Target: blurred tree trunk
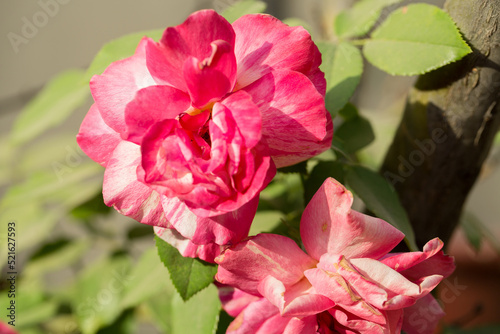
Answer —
448 127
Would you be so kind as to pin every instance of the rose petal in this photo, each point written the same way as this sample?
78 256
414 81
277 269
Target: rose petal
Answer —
401 292
247 263
347 323
234 300
166 59
96 138
328 225
422 317
224 229
291 134
127 195
117 86
335 287
151 105
209 79
263 44
298 300
306 325
253 317
414 265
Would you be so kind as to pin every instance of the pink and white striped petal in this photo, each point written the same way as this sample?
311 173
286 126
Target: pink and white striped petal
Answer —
328 225
291 134
96 138
125 193
265 44
117 86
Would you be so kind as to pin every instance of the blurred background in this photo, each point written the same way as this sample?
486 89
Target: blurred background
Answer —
40 40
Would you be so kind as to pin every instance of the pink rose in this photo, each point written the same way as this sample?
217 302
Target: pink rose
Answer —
192 128
346 283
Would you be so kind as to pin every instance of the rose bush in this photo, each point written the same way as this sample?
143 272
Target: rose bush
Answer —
347 282
192 128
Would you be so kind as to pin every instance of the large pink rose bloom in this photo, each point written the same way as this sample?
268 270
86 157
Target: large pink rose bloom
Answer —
192 128
347 282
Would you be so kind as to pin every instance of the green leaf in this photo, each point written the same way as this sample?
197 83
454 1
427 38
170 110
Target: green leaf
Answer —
224 322
243 7
300 168
355 133
380 198
359 19
188 275
205 306
52 105
98 293
117 49
320 172
414 40
343 66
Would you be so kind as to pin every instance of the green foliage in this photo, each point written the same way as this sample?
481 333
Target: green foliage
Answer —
319 174
414 40
98 293
52 105
358 20
243 7
343 66
200 314
355 132
117 49
188 275
380 198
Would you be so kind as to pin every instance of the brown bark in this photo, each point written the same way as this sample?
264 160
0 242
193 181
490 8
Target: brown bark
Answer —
448 126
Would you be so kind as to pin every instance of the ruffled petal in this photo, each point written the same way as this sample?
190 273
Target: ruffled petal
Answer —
265 44
335 287
347 323
298 300
247 263
224 229
192 38
117 86
306 325
401 291
96 138
125 193
207 252
255 316
209 79
422 317
328 225
234 300
295 123
151 105
414 265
